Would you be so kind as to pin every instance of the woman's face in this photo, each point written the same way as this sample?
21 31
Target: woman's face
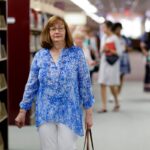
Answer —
118 31
79 41
105 29
58 32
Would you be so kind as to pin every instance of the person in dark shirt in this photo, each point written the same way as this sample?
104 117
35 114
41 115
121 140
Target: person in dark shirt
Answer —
145 47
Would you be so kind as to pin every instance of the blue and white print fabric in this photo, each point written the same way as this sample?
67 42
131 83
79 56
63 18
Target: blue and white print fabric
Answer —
61 89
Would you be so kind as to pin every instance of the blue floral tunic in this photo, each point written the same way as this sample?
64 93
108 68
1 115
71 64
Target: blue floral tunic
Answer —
61 88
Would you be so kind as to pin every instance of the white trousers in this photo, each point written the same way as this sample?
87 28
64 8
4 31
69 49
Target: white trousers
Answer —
57 137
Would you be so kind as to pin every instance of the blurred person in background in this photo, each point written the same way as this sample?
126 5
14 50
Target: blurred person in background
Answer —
145 46
109 74
78 38
124 58
60 81
91 42
94 51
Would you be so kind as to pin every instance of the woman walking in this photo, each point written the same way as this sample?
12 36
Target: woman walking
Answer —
109 74
60 81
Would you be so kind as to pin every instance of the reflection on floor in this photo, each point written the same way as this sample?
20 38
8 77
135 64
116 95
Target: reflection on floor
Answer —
128 129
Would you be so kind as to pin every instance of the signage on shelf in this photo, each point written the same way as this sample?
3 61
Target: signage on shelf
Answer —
11 20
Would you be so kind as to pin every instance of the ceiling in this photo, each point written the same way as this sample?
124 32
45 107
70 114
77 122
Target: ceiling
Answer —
121 6
105 6
124 7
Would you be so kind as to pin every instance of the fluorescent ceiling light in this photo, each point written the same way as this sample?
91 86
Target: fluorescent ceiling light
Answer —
85 5
98 19
74 18
89 9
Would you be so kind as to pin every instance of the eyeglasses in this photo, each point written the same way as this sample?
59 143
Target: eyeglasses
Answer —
60 29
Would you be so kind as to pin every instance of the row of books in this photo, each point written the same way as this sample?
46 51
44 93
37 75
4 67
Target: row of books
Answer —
3 83
2 21
34 42
3 112
37 19
1 142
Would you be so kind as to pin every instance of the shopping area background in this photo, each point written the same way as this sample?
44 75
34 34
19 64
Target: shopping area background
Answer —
20 26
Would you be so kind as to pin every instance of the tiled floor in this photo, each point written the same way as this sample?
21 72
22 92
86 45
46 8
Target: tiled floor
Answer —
128 129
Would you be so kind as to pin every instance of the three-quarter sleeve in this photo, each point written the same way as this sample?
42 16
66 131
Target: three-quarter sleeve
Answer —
31 87
85 89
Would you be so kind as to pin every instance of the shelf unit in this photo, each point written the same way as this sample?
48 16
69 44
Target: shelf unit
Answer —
18 55
3 76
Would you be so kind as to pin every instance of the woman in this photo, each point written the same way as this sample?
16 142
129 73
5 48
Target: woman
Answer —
60 80
109 75
78 38
124 59
145 46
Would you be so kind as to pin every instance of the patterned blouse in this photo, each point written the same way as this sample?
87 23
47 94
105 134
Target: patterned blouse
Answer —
61 89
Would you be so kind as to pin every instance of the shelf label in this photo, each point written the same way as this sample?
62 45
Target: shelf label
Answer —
11 20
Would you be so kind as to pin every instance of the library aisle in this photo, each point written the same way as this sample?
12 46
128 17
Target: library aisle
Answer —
125 130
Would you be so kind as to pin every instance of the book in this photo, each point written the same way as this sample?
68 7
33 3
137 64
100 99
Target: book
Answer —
39 21
32 43
37 42
1 142
3 83
2 21
2 51
3 112
110 48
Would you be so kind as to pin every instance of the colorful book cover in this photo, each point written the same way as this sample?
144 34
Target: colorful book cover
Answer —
111 48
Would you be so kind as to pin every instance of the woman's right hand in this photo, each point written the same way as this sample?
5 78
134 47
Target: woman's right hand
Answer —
20 119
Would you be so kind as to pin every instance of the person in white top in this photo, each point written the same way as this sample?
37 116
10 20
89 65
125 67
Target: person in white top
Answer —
124 59
78 38
109 74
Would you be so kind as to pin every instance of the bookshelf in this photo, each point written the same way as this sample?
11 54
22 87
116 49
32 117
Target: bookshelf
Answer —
18 55
3 77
